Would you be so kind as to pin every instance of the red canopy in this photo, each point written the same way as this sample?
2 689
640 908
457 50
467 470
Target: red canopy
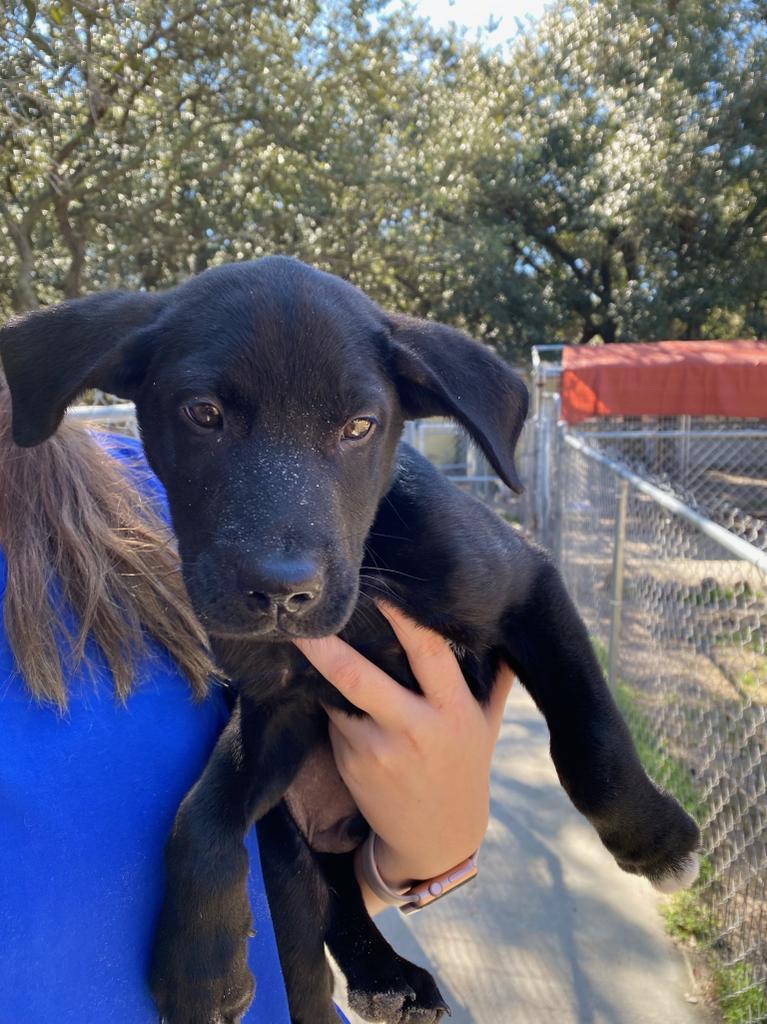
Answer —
665 378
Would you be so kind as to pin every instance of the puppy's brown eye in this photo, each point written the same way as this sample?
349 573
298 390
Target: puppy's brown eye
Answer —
358 428
204 414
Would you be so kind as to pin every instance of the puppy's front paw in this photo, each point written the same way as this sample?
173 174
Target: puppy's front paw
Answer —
220 1000
660 843
398 993
681 877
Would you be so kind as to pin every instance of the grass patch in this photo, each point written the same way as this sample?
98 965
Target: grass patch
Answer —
744 636
600 649
665 769
687 917
710 594
740 997
752 681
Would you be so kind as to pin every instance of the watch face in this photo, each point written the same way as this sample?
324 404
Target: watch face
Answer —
434 890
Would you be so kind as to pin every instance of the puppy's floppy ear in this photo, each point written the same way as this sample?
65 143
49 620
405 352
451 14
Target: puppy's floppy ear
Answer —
51 355
441 372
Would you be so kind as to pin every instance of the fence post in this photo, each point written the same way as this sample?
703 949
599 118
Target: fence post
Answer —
559 490
539 454
616 597
685 425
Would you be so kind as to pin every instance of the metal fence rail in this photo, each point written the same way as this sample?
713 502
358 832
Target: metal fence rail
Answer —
719 467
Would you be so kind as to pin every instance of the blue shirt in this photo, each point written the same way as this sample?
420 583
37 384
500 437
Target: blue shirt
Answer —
86 803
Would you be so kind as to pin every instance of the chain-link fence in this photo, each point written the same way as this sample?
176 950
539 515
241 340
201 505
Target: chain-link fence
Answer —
718 467
660 528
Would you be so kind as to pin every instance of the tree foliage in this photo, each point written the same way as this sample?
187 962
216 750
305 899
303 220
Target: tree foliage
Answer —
630 168
602 176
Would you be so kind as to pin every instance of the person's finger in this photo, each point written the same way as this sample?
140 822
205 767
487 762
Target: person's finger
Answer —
432 661
502 684
358 732
359 680
345 753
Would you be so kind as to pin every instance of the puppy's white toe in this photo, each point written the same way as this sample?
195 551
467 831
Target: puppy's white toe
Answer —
682 878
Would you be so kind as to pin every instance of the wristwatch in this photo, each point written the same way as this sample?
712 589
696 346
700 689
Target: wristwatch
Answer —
420 894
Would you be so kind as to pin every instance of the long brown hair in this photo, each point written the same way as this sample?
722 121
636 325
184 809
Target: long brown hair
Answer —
80 535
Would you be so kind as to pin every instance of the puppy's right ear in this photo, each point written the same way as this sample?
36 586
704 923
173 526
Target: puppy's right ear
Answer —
52 355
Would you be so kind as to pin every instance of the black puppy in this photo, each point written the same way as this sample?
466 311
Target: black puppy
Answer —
271 398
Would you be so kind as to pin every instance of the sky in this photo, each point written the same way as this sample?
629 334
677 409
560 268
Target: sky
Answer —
475 14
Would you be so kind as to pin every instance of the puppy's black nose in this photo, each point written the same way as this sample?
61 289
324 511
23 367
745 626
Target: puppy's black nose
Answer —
292 584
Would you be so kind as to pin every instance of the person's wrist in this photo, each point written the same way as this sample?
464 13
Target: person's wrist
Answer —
394 867
401 869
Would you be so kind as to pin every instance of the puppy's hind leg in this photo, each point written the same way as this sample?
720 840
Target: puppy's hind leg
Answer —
299 901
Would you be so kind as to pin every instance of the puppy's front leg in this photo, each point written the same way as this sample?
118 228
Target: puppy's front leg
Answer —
298 899
547 644
199 971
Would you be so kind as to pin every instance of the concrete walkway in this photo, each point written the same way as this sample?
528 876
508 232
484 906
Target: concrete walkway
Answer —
551 931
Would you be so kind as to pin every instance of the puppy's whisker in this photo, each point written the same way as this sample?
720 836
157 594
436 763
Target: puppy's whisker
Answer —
394 572
396 511
369 615
376 581
376 567
385 592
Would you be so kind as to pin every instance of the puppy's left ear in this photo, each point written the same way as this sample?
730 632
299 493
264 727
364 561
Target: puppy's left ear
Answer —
441 372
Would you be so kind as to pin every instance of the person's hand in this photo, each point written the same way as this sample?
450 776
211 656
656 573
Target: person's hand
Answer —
418 766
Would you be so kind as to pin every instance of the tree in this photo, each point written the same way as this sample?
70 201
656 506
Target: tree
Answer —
628 174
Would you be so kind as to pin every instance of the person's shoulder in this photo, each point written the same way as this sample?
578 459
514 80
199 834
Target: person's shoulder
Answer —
129 452
122 447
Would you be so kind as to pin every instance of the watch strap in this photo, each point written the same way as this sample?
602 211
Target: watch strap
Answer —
419 894
372 876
